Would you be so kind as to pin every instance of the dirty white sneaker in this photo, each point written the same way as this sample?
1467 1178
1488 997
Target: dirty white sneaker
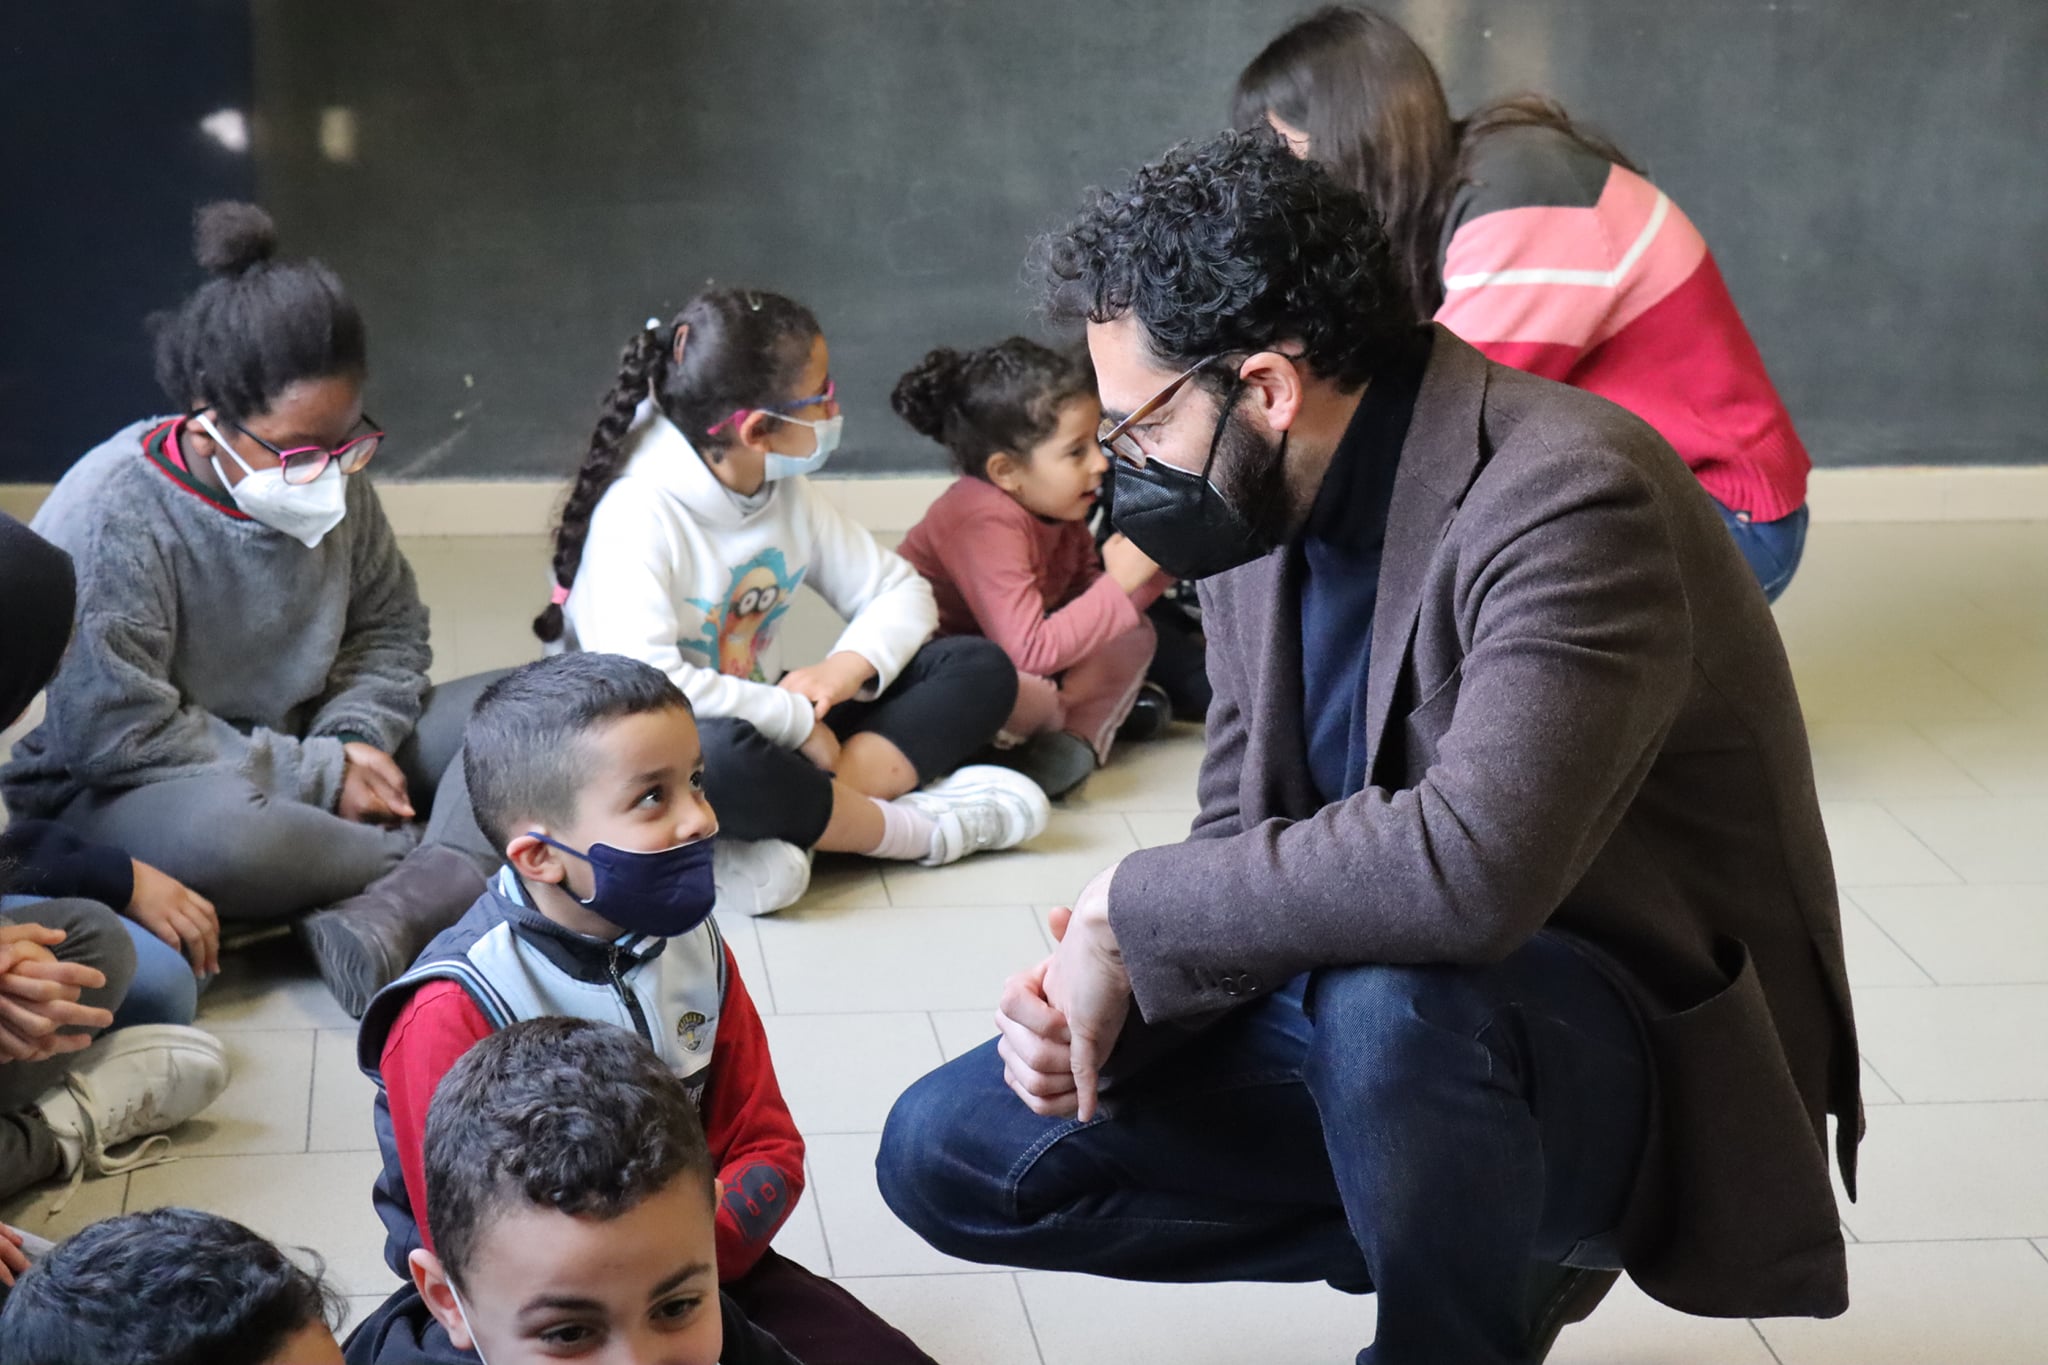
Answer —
759 876
978 808
124 1093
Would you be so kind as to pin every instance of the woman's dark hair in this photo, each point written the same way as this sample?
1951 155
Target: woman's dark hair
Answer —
1374 110
164 1287
1230 246
261 324
1005 397
743 348
558 1113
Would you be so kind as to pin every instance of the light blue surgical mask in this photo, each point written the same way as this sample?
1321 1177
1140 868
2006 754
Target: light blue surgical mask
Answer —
826 430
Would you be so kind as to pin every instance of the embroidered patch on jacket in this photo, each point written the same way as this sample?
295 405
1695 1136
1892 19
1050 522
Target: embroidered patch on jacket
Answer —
690 1031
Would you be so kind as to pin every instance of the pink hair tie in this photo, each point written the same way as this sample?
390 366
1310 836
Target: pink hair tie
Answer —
559 596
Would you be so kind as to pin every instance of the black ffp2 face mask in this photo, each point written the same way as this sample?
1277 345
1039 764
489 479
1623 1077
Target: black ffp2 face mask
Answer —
1182 520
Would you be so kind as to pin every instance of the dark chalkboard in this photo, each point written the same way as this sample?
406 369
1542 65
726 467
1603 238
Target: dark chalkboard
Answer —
510 189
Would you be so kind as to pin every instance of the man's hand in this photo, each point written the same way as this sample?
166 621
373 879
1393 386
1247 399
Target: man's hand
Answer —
372 788
822 748
1033 1042
840 678
1086 982
178 915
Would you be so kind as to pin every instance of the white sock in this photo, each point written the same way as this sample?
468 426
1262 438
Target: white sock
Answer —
907 832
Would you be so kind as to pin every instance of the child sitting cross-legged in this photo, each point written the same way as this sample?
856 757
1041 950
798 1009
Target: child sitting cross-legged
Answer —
586 769
170 1287
575 1215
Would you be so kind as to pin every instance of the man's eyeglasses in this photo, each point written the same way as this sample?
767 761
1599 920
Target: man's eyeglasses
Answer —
1116 438
303 464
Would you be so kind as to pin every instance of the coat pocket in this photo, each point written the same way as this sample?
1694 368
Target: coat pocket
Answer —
1737 1216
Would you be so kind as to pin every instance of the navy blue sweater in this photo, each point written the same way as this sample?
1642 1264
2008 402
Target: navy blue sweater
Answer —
1340 574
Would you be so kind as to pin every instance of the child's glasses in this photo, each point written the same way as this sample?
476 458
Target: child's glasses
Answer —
739 415
303 464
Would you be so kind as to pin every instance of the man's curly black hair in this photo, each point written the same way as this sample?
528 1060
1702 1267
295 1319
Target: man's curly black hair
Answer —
163 1287
1234 245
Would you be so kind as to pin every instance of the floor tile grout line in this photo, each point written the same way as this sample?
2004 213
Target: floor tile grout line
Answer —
312 1088
1957 763
1914 835
1849 895
1771 1350
2036 1243
1031 1326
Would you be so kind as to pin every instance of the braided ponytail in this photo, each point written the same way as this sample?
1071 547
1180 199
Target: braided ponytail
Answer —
640 367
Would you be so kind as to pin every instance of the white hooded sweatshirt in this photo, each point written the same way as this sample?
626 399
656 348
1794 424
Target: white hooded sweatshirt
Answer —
681 572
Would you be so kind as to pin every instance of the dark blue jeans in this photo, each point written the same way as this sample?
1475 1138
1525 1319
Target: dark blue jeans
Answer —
1772 548
1447 1136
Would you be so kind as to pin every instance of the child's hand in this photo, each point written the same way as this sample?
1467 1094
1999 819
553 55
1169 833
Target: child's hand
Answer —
178 915
1130 566
822 748
840 678
13 1261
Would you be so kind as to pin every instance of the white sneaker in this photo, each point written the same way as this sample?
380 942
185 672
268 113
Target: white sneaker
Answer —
979 808
759 876
127 1091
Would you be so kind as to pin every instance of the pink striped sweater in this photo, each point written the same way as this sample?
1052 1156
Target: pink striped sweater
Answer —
1561 263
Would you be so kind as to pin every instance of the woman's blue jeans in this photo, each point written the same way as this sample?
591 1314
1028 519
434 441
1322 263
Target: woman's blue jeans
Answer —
1773 548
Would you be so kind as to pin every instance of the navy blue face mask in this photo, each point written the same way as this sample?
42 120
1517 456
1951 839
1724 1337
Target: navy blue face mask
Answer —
665 893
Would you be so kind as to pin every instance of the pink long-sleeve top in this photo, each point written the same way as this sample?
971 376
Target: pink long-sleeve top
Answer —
1035 587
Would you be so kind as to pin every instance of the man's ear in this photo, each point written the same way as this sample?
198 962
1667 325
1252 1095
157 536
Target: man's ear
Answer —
534 860
1273 387
431 1279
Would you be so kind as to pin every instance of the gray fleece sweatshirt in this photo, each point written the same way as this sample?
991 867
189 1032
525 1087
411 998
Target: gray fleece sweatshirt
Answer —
208 643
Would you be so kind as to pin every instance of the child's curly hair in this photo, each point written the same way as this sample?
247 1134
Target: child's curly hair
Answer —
1005 397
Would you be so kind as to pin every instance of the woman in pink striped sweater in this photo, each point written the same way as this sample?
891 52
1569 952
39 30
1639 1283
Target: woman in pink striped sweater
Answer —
1540 244
1009 555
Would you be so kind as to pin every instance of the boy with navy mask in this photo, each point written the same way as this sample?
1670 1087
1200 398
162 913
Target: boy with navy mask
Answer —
587 771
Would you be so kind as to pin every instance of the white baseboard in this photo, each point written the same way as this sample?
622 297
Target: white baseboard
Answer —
892 504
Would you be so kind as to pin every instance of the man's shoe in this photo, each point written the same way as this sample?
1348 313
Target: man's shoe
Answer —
112 1110
759 876
1569 1296
979 808
366 942
1056 761
1150 714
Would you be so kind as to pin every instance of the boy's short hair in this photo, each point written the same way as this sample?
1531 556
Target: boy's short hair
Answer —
164 1287
566 1114
523 753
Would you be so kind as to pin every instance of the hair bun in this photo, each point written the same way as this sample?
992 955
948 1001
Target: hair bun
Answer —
924 395
231 236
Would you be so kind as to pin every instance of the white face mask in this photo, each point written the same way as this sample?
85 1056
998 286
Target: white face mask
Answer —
306 512
827 431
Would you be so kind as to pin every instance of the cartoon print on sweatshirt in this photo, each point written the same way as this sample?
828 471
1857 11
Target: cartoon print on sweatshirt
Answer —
739 628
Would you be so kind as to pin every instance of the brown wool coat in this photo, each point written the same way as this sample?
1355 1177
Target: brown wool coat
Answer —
1582 715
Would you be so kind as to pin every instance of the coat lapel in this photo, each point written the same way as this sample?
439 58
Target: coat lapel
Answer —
1438 461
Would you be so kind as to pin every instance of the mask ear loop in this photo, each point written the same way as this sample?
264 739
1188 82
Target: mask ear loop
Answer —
1222 418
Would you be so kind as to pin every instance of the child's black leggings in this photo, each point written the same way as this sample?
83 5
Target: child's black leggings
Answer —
944 707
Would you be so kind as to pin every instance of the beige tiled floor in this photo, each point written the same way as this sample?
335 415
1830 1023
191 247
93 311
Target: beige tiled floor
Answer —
1922 653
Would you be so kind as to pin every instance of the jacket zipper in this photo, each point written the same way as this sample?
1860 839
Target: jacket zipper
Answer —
632 1001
